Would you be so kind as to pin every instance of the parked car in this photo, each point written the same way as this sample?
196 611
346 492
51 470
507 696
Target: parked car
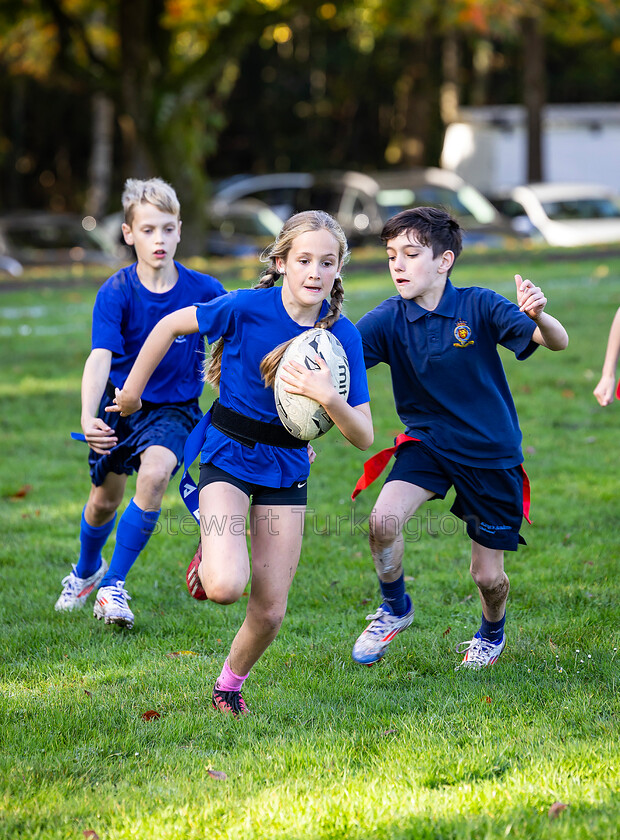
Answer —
563 214
363 202
41 238
241 228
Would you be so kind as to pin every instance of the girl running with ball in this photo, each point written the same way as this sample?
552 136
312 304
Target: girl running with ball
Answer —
267 474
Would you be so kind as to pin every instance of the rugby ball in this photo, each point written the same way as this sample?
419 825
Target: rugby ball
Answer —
304 418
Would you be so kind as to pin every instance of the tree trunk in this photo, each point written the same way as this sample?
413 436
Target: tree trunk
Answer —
100 167
534 94
449 92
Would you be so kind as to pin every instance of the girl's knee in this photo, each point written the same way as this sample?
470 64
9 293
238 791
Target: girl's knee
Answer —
222 589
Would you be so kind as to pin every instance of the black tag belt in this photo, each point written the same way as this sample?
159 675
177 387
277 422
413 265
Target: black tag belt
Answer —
249 432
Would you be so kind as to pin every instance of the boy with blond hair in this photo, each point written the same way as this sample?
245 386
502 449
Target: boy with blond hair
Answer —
151 441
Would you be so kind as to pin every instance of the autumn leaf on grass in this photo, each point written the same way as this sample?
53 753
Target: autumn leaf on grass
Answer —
181 653
556 809
89 834
151 715
446 631
21 493
217 774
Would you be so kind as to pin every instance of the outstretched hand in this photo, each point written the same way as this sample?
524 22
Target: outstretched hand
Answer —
124 404
530 298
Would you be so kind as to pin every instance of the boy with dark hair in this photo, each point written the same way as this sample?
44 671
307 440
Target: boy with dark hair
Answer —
127 307
461 424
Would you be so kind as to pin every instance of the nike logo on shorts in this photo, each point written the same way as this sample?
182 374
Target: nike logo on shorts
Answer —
301 484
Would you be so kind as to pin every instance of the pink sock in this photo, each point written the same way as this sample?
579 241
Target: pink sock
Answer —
228 680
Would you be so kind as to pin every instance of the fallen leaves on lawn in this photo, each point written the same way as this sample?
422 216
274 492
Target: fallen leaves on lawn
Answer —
176 653
151 715
89 834
217 774
21 493
446 631
556 809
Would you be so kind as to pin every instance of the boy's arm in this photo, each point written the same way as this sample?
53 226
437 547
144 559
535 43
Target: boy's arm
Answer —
604 391
99 436
157 344
531 300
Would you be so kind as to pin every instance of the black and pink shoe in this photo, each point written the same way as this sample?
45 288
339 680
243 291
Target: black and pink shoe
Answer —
229 702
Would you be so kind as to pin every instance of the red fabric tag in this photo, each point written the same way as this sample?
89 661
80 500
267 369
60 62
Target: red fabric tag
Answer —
618 390
526 495
374 466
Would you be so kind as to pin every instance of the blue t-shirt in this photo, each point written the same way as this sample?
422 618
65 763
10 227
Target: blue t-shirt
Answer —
124 314
252 323
449 383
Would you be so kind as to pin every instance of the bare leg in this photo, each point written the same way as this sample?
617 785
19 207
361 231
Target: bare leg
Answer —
225 567
156 466
104 500
277 535
397 502
487 570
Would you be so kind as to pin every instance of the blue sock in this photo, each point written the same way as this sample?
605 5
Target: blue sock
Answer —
134 529
395 596
492 631
92 540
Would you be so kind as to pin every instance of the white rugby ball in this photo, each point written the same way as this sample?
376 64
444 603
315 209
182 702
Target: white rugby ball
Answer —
306 419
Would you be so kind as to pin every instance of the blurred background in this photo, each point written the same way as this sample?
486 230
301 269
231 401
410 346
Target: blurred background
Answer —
253 109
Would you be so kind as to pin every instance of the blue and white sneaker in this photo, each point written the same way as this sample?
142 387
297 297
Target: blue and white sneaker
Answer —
479 653
111 605
75 590
384 625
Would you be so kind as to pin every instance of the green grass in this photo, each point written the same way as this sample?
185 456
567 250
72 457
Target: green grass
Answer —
407 749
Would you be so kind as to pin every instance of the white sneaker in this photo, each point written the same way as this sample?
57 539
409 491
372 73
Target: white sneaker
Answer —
111 605
479 653
372 644
75 590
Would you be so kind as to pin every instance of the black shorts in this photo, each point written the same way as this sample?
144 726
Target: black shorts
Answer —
296 494
489 501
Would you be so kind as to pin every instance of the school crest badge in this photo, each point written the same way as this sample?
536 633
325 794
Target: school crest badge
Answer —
462 333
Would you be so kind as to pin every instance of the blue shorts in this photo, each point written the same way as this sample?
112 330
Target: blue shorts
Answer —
296 494
154 425
489 501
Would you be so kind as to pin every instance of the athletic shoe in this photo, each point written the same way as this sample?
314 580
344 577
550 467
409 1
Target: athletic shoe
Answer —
229 702
479 653
111 605
193 581
75 590
384 625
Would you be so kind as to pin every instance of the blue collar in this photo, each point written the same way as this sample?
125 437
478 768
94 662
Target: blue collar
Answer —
445 307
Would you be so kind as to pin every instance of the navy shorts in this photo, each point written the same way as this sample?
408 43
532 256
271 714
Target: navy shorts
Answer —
154 425
296 494
489 501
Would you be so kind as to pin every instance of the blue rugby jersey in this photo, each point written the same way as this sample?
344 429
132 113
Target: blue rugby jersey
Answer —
124 314
449 383
253 322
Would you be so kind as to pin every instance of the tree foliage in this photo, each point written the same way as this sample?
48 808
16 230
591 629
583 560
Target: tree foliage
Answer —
222 86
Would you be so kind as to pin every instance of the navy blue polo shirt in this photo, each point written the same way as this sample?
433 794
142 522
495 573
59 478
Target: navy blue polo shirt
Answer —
449 383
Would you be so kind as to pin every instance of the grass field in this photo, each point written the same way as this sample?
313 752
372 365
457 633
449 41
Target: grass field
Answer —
407 749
